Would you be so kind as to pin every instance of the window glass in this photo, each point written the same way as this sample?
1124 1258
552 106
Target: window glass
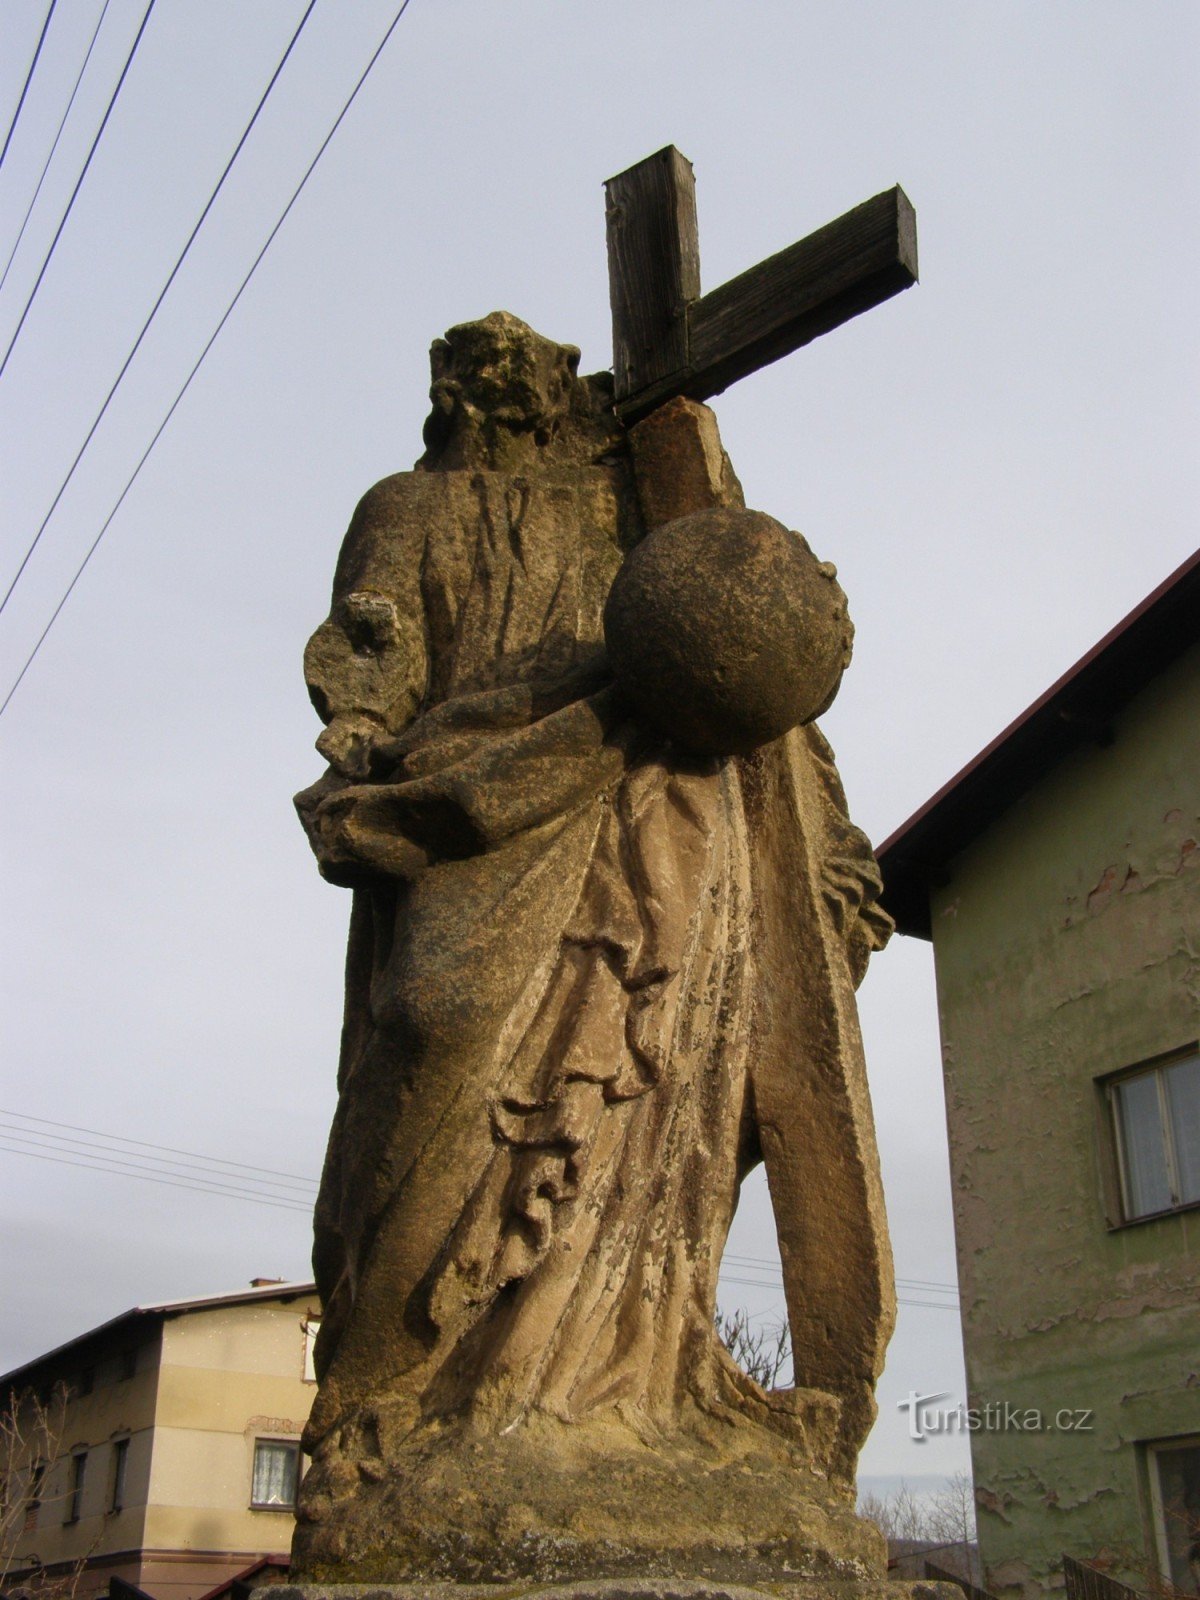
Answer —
1147 1185
1183 1100
34 1499
120 1460
75 1494
275 1464
1178 1471
311 1329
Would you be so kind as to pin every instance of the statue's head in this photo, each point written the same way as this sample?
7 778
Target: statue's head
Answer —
495 381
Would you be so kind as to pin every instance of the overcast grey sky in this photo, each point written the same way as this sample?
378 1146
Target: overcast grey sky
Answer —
1002 462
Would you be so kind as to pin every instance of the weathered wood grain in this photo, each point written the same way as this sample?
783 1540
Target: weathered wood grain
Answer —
653 267
850 265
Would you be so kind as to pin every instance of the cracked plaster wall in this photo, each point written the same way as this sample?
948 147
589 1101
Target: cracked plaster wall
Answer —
1067 947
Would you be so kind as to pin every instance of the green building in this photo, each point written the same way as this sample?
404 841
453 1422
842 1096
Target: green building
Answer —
1058 876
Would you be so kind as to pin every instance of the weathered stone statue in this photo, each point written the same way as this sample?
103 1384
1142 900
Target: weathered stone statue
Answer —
609 913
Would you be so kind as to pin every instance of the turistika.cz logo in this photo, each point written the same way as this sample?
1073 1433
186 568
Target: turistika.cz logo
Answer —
926 1417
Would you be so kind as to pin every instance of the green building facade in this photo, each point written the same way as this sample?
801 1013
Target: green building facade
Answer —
1059 879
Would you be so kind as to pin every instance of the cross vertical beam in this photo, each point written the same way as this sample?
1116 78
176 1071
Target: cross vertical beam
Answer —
653 267
668 340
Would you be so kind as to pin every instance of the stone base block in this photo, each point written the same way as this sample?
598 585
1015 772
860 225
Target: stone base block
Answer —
626 1588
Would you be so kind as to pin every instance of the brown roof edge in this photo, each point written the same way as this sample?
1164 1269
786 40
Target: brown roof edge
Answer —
11 1380
1075 710
166 1308
260 1289
262 1564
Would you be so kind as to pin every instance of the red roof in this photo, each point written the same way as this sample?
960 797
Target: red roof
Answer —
263 1564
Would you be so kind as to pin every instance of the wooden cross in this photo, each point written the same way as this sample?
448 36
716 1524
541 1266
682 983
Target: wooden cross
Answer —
669 340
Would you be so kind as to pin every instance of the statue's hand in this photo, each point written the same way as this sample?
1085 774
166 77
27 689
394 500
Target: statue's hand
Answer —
332 833
354 834
349 743
850 888
365 670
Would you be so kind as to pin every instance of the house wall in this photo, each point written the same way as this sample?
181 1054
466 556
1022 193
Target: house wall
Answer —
208 1382
229 1375
118 1407
1067 947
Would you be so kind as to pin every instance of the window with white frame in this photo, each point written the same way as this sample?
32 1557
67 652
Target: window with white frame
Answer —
77 1471
1175 1492
33 1495
116 1484
276 1471
311 1329
1156 1121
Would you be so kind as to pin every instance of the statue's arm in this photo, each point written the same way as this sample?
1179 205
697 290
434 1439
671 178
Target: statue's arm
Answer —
367 669
366 666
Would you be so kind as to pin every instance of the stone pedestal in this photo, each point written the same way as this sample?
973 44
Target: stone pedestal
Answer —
628 1588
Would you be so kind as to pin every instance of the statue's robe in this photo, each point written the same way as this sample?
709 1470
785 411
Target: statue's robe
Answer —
591 981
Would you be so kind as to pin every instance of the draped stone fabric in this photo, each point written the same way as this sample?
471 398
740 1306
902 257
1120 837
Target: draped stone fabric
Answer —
591 981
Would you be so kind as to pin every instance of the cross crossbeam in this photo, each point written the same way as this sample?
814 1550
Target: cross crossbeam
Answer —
670 340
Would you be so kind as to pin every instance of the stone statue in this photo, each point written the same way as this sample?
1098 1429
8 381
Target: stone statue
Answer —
608 916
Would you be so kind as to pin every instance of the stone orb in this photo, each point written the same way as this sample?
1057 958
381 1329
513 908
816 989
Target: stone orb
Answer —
724 630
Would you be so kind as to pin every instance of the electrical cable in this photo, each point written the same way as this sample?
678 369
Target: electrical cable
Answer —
129 1168
754 1283
78 185
162 294
54 146
29 660
169 1183
12 127
766 1265
145 1144
115 1156
58 1141
109 1157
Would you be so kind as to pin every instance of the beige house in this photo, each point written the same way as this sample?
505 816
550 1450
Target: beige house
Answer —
174 1456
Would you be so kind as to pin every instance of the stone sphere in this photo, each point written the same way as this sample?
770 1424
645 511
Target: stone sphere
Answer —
724 630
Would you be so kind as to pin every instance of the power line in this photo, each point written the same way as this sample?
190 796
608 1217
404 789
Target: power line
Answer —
54 146
106 1151
78 185
904 1300
199 362
162 294
762 1263
771 1279
131 1167
169 1183
145 1144
109 1157
748 1283
12 127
